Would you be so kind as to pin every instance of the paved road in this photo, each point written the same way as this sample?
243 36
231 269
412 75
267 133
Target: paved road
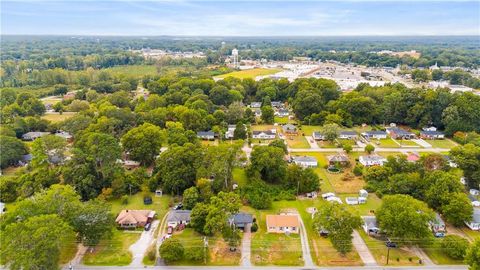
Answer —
139 248
399 150
307 256
246 249
363 250
433 267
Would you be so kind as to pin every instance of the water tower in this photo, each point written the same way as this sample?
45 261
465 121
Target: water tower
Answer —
235 57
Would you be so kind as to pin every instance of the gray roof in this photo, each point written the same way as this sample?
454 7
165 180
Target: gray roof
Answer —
375 132
242 218
400 131
337 158
305 159
348 133
179 215
289 127
373 158
476 215
317 134
255 104
370 221
34 134
205 133
431 133
268 132
283 111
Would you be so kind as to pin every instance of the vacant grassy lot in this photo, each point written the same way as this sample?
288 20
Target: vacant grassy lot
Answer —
385 143
283 120
240 176
133 70
135 202
297 142
51 100
407 143
250 73
446 143
398 256
114 250
57 117
368 208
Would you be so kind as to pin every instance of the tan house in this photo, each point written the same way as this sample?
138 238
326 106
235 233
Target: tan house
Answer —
283 224
134 218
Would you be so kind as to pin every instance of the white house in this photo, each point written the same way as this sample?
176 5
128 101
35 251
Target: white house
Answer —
372 160
318 136
206 135
375 134
351 200
305 161
431 135
264 135
255 105
432 128
348 135
282 113
474 223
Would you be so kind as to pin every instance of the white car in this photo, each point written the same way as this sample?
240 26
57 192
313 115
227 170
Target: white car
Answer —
328 195
476 203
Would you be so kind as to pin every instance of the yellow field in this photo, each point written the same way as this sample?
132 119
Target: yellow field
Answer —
56 117
250 73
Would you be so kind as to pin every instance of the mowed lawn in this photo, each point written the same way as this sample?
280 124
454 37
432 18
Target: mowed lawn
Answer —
385 143
298 141
398 256
446 143
57 117
113 250
218 250
250 73
435 253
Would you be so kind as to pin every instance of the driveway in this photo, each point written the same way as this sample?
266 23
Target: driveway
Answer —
363 250
421 254
139 248
246 249
307 256
422 143
312 142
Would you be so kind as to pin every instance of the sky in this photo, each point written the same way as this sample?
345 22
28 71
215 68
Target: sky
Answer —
241 18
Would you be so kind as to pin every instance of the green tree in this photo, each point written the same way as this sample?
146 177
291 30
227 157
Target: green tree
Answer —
302 180
347 148
268 115
198 217
404 217
280 144
340 223
35 243
369 148
143 143
93 220
457 208
472 258
240 131
171 250
468 159
330 131
220 209
12 150
190 197
454 246
440 186
269 163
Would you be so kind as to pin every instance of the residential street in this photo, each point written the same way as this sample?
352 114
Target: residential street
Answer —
377 149
433 267
139 248
363 250
307 256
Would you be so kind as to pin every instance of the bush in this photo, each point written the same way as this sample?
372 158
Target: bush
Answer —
125 199
358 170
454 246
151 254
195 253
172 250
254 227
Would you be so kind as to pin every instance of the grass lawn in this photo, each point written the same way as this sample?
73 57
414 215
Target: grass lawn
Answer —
51 100
56 117
133 70
398 256
446 143
135 202
209 142
372 204
283 120
113 251
68 250
250 73
271 248
385 143
473 235
327 144
10 171
264 127
297 142
240 176
407 143
435 253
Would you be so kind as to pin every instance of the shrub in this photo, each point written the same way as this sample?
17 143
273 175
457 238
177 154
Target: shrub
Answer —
195 253
151 254
454 246
172 250
125 199
254 227
358 170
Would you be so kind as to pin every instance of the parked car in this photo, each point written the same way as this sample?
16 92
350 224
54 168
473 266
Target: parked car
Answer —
391 244
324 233
170 230
439 234
178 206
148 226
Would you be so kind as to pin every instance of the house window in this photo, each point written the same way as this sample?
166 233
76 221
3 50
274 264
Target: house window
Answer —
272 228
281 228
294 228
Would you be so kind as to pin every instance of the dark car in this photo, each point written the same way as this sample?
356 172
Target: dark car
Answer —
324 233
170 230
148 226
391 244
147 200
179 206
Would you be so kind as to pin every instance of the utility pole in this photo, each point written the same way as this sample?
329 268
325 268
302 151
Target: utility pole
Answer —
205 245
388 254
